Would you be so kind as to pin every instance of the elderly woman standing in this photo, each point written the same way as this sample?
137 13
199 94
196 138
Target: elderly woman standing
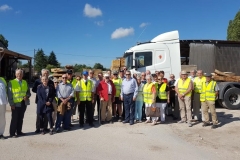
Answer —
45 94
139 101
149 97
162 97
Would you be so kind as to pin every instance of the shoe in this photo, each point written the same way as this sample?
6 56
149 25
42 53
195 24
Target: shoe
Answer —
111 122
21 134
102 122
154 123
190 124
42 132
71 125
58 130
139 121
181 121
67 129
13 136
162 122
147 121
120 120
214 126
37 131
2 137
205 124
175 118
51 132
81 125
125 121
91 125
47 130
131 123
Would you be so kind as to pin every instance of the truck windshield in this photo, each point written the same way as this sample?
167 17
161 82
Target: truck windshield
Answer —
128 60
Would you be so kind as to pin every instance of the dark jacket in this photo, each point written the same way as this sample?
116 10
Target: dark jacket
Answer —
43 98
37 83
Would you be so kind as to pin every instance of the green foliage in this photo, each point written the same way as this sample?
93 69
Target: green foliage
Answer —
80 67
21 65
98 66
52 59
49 67
40 60
233 31
4 40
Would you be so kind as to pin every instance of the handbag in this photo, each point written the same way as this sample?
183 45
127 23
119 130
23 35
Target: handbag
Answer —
152 112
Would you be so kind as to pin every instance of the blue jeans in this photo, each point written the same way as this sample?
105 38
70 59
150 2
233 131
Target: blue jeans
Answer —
129 105
138 110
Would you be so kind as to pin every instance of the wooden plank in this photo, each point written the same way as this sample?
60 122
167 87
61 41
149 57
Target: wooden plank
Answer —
221 73
116 63
54 70
69 67
227 79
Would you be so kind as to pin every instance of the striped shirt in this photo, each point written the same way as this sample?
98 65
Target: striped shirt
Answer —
65 90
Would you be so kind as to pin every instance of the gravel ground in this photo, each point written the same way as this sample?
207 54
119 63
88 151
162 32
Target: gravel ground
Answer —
122 141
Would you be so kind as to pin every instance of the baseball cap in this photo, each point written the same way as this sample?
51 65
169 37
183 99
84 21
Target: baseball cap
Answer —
106 75
85 73
69 71
207 74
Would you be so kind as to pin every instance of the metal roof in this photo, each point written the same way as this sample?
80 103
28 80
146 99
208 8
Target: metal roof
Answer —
5 51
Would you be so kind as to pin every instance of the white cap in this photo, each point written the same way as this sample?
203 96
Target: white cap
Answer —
106 75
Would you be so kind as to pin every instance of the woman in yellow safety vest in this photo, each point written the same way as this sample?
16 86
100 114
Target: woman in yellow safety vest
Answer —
149 97
162 97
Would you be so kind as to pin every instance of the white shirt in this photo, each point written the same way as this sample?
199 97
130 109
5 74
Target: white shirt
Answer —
94 83
3 93
109 88
176 82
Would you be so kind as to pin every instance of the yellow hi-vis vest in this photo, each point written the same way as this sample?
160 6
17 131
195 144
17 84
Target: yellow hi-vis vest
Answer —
208 92
182 87
198 84
18 91
117 83
86 92
5 83
147 93
162 94
74 83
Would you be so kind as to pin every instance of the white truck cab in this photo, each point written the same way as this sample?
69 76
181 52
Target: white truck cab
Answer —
161 53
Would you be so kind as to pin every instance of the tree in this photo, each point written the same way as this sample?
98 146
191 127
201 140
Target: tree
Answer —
4 40
49 67
233 31
52 59
40 60
98 66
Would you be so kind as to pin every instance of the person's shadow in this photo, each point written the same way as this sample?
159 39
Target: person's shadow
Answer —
224 119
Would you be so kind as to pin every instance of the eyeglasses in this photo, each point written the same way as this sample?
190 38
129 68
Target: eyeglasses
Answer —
127 74
64 77
56 82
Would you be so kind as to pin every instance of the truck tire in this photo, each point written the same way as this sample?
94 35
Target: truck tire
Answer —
231 98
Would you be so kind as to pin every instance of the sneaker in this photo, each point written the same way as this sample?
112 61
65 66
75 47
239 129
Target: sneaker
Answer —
154 123
13 136
58 130
102 122
181 121
139 121
2 137
37 131
147 121
42 132
51 132
214 126
120 119
131 123
190 124
205 124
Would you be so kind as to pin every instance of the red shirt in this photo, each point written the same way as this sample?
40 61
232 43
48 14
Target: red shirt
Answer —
102 90
165 80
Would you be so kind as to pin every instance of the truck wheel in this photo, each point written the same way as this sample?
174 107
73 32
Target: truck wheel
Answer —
220 103
231 98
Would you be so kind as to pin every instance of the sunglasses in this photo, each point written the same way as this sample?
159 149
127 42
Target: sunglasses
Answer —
64 77
56 82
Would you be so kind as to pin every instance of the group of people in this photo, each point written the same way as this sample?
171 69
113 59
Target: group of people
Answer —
120 96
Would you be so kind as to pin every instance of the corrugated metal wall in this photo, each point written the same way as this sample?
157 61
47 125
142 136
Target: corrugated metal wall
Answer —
202 55
227 58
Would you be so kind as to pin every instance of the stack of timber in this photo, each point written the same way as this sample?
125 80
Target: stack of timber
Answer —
117 64
225 76
96 71
58 72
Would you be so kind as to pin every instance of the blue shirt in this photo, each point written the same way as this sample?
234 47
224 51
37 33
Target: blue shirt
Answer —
129 86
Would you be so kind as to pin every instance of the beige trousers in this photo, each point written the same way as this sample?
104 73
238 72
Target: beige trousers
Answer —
209 105
185 109
106 108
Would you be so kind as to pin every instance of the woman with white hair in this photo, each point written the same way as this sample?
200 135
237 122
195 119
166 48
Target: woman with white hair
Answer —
149 97
139 100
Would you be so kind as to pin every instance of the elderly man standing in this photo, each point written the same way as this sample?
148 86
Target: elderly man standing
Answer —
94 82
65 94
208 96
107 92
198 81
184 91
18 98
45 73
192 74
129 91
3 103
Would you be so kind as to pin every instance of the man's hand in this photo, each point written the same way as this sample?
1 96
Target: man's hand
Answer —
78 102
180 96
122 98
134 98
13 107
102 99
25 98
48 103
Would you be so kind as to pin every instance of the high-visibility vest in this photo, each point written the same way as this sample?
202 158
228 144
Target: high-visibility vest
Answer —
5 83
86 92
208 92
198 84
74 83
147 93
18 91
182 87
162 94
117 83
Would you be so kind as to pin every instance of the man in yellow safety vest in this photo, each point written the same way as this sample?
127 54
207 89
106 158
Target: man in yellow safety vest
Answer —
117 103
18 98
208 96
184 91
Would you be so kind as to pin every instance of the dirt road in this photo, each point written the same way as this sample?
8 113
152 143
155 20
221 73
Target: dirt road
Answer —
122 141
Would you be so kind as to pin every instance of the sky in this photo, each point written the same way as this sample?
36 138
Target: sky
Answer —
98 31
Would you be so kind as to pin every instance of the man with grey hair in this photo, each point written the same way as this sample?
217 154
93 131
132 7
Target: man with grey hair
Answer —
192 74
94 82
44 72
18 98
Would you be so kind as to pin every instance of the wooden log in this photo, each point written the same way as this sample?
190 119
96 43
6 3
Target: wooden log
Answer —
227 79
60 70
57 75
222 73
230 73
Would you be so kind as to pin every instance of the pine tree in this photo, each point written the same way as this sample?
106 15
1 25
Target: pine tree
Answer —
4 40
52 59
233 31
40 60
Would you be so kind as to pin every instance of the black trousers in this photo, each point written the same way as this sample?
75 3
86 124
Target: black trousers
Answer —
143 112
81 109
17 119
45 118
38 122
123 110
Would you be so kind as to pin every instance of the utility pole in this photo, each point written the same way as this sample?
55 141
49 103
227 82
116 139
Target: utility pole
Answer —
34 61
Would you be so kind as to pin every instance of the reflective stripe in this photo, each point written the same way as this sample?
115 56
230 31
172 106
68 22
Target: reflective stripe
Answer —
18 91
208 92
198 84
117 83
183 87
86 92
147 93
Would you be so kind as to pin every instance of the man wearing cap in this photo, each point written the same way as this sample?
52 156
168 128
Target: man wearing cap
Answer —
129 91
3 103
208 96
117 103
44 72
72 81
107 91
184 91
94 81
198 81
86 96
